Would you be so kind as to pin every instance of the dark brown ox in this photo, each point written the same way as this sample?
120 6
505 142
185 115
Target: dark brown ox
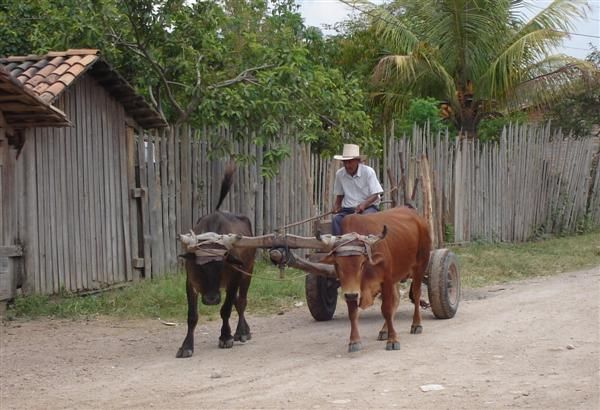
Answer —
211 266
367 265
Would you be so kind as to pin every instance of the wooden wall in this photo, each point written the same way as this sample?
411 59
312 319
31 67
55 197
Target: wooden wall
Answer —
74 195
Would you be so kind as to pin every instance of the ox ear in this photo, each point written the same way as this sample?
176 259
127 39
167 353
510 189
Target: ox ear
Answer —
328 259
187 255
377 259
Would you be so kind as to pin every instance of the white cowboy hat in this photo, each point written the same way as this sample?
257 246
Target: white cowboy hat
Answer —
350 151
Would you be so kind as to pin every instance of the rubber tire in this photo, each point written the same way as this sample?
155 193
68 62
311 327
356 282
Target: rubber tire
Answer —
321 296
443 284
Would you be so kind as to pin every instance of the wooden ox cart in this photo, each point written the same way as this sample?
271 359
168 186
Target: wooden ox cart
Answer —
321 285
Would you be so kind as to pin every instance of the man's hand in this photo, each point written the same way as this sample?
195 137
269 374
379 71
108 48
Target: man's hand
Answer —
337 205
360 208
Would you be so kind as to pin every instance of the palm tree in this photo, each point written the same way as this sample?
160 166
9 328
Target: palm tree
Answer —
483 57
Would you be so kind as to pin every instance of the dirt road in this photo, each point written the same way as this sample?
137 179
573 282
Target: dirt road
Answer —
532 344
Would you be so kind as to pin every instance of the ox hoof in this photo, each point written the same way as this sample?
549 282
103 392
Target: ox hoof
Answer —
226 343
392 346
183 353
242 338
354 347
415 330
383 335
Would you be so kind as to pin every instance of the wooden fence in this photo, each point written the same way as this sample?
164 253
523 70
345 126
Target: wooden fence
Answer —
530 183
179 182
96 217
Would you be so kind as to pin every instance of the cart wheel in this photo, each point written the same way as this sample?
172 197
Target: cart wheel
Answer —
321 296
443 284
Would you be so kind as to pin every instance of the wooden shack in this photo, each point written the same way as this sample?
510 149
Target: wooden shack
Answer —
20 109
68 124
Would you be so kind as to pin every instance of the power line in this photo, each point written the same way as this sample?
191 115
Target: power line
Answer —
576 34
577 48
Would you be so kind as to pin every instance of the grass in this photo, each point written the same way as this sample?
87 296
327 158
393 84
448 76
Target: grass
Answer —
164 298
480 264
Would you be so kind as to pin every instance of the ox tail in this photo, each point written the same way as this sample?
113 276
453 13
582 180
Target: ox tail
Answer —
226 184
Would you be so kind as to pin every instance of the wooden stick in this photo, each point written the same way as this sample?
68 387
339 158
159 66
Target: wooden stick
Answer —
393 190
303 221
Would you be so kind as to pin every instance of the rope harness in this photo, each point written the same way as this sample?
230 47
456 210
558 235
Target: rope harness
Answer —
216 248
354 245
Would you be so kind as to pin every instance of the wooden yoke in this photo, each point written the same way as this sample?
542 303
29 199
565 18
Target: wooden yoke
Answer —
191 241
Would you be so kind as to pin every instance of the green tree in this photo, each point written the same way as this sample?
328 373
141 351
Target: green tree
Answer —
579 112
482 56
423 112
250 65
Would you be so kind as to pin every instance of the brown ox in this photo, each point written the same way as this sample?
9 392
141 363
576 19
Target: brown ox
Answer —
210 266
367 265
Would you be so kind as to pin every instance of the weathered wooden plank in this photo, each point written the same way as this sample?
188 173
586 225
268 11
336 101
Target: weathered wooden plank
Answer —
180 226
42 177
164 198
95 125
3 176
62 216
171 192
185 190
116 218
72 217
158 245
7 213
112 137
152 206
195 162
10 251
32 280
87 186
126 269
133 203
145 217
259 228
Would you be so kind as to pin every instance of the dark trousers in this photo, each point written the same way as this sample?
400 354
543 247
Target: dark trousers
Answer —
336 222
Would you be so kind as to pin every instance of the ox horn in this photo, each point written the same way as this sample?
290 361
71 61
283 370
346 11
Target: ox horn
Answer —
328 240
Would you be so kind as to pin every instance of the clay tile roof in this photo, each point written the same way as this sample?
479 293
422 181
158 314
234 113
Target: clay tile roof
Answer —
22 108
50 75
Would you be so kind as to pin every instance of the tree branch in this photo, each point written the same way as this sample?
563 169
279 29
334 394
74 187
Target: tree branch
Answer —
139 50
245 75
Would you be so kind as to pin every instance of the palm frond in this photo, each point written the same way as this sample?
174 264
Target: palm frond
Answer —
507 69
551 79
560 15
393 31
400 67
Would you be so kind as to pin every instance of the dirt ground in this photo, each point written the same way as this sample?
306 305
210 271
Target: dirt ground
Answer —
532 344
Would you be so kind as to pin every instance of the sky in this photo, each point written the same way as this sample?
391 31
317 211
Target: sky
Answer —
319 12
